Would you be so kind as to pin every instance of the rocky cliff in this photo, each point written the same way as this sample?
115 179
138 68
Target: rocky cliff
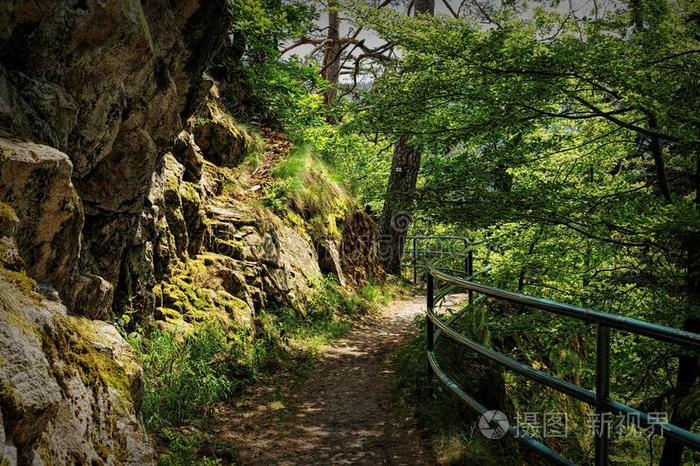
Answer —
117 155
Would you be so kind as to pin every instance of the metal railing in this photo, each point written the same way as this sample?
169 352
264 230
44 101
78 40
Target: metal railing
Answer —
599 398
449 247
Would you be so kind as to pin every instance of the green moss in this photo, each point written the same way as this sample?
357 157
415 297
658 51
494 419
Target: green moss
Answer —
70 341
5 153
186 295
12 300
189 192
231 248
172 180
24 282
16 320
247 139
103 451
236 307
11 401
169 315
295 220
7 214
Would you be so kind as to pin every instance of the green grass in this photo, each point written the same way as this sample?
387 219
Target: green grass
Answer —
186 449
188 375
307 186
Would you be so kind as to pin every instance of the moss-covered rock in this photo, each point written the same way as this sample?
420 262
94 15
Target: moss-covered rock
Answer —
9 255
222 139
35 180
188 153
8 220
70 387
192 197
203 289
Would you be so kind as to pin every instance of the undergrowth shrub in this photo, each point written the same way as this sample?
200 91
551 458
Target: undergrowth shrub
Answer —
184 450
187 375
453 427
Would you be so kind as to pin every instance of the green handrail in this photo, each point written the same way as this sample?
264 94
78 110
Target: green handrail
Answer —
599 398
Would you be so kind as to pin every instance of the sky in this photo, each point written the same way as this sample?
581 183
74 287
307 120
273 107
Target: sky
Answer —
578 7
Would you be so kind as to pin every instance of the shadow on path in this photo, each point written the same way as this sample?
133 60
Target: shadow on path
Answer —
341 413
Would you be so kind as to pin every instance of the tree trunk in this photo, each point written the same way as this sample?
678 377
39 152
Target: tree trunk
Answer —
396 217
688 363
426 7
331 55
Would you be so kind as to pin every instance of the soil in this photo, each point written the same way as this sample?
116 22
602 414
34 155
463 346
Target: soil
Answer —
341 412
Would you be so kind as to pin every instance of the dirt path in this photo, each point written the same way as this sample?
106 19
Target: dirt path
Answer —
341 413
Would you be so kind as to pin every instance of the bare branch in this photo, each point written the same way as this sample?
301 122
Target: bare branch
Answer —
449 7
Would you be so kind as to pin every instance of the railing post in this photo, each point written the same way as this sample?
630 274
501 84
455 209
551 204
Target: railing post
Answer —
470 272
430 329
466 258
415 263
602 392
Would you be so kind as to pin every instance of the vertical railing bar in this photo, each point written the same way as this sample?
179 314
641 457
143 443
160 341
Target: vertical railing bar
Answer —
602 393
470 272
415 263
466 257
430 329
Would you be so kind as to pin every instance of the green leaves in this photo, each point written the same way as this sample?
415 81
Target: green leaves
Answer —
548 134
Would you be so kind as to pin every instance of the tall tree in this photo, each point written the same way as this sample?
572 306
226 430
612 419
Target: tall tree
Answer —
341 54
405 164
331 53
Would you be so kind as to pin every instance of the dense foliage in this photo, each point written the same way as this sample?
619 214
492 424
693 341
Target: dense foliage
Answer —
571 144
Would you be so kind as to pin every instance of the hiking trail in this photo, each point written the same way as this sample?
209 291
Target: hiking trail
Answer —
342 412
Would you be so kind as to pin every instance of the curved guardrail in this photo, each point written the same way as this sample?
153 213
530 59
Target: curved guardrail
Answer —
422 252
599 399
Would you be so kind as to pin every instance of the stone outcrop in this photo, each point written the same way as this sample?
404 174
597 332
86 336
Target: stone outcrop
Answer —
91 96
70 387
108 84
114 192
210 244
35 180
219 136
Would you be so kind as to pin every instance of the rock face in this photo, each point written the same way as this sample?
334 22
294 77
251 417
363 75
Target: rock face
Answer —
92 94
108 83
35 180
113 193
70 387
221 139
359 255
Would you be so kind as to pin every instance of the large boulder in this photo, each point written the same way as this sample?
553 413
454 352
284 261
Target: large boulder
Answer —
276 259
109 83
70 387
35 180
222 140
